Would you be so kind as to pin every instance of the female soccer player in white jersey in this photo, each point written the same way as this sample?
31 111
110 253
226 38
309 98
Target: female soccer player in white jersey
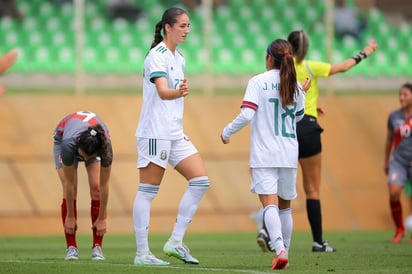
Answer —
273 103
309 132
161 140
82 136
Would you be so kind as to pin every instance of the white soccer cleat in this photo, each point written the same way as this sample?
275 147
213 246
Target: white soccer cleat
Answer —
180 252
147 258
72 253
97 254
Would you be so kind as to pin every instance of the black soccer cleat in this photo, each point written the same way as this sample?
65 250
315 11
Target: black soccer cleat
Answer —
264 242
324 247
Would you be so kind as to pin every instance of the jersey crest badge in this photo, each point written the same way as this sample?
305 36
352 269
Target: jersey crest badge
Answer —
163 155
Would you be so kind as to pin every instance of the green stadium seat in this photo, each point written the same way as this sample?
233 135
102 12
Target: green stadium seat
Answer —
391 46
404 36
403 66
250 61
306 13
45 12
112 61
221 14
54 23
123 40
276 30
120 25
150 4
312 14
317 40
154 12
375 17
92 60
288 15
280 4
35 39
223 61
30 23
315 54
7 25
65 59
91 9
60 38
241 33
244 15
97 24
380 64
234 7
348 45
43 60
22 63
194 41
10 40
135 58
195 63
260 5
267 15
337 56
103 39
25 7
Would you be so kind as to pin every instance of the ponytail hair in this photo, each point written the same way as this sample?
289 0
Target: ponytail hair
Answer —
169 18
281 52
300 44
94 141
157 36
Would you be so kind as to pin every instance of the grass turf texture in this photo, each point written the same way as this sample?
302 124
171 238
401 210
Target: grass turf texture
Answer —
358 252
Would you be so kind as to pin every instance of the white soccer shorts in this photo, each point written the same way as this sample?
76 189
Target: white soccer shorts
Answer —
280 181
162 152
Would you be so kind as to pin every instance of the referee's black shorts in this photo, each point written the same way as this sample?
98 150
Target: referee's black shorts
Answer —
308 131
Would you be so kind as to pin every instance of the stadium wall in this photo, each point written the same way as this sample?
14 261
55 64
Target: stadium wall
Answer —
197 82
354 186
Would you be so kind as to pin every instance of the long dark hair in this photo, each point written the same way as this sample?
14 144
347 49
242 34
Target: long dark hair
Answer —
169 18
94 141
281 52
300 44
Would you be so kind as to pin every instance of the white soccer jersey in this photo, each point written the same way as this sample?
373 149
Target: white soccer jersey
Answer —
273 127
161 119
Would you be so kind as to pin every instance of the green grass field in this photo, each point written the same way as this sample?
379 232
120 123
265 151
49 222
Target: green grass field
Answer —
358 252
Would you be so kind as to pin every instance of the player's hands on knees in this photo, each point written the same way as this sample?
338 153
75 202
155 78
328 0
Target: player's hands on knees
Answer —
183 89
70 225
100 227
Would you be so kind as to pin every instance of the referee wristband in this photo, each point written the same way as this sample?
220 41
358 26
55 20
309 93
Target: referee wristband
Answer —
357 59
363 53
